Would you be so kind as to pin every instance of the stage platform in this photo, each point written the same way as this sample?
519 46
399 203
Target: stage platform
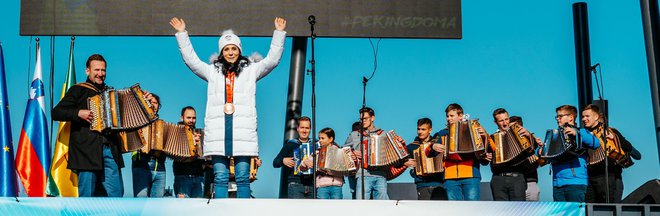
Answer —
271 207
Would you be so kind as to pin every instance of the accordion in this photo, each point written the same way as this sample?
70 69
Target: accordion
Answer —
511 147
120 109
300 154
464 139
384 150
144 139
427 166
612 147
180 143
560 148
253 169
176 140
336 161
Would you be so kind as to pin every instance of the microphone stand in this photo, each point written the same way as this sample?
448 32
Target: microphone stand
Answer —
364 105
605 131
312 21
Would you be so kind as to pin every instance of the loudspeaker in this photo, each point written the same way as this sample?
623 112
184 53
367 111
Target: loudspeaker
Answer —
648 193
603 107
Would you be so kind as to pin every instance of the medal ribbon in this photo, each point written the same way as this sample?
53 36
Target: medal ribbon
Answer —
229 87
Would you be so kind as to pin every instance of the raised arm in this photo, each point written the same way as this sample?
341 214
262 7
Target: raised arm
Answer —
276 48
197 66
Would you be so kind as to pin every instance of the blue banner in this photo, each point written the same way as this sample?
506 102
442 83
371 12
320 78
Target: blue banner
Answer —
272 207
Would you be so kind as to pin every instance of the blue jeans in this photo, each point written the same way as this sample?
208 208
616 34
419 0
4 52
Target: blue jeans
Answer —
373 184
329 192
242 174
462 189
569 193
98 183
188 186
148 176
298 190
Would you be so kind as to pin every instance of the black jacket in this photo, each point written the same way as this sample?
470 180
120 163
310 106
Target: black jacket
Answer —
85 146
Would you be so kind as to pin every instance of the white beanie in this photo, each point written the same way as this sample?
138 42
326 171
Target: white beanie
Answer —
228 37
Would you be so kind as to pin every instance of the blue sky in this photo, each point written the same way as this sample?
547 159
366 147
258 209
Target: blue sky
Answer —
515 54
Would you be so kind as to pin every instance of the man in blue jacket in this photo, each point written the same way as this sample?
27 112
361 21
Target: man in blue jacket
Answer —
429 187
569 178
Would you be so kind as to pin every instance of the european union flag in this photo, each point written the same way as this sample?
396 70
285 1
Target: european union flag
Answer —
8 183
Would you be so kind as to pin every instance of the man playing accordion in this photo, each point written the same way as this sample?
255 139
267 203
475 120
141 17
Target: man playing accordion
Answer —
300 186
569 177
429 183
598 179
508 181
462 174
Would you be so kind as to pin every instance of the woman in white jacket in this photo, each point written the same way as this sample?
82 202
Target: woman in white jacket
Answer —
231 114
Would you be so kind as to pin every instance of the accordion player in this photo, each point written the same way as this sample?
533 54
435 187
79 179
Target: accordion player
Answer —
464 140
120 109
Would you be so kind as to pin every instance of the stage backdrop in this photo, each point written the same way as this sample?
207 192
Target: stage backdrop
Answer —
341 18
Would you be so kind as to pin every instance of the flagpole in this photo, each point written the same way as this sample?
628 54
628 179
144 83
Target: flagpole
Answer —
61 182
50 83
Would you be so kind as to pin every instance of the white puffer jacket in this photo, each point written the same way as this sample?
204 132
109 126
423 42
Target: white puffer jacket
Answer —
245 116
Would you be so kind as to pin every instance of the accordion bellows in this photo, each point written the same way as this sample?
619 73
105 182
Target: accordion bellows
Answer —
464 139
176 140
336 161
120 109
511 147
384 150
614 150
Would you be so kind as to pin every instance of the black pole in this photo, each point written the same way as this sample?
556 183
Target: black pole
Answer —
361 131
650 19
312 20
294 98
582 54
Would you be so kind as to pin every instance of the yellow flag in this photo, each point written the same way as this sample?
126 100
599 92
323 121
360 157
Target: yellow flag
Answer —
62 182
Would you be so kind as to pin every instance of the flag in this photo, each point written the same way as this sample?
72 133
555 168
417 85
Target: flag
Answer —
33 153
8 185
61 181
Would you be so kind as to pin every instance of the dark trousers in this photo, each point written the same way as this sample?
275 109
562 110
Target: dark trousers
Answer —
431 193
597 188
508 187
569 193
299 190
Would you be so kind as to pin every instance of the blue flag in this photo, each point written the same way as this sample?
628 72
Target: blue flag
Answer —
8 183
